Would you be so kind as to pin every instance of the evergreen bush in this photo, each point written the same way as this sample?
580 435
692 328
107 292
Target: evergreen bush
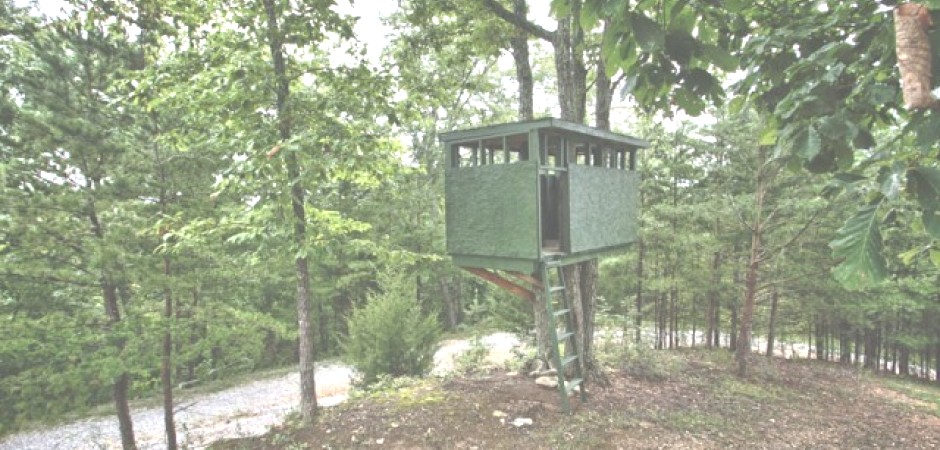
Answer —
390 334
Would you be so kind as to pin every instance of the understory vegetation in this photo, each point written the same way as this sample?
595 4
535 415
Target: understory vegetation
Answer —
694 399
194 191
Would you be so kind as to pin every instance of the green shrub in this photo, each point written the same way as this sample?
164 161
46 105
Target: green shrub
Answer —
390 335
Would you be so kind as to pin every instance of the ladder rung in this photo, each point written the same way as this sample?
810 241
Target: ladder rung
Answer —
557 289
561 312
571 385
565 335
555 263
568 359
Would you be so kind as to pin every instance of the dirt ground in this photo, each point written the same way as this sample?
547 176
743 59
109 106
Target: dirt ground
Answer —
701 404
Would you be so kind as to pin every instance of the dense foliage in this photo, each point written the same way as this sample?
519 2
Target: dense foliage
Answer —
156 161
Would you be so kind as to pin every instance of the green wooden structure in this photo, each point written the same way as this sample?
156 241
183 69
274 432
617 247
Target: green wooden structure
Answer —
525 199
518 194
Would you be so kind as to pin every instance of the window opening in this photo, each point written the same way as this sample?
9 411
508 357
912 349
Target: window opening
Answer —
550 185
577 152
552 151
497 150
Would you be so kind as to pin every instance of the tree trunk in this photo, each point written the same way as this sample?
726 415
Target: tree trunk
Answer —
519 44
753 268
305 342
122 382
904 352
733 309
166 367
112 310
638 320
912 26
871 349
936 359
733 332
771 324
573 284
750 295
820 340
603 95
857 347
845 349
711 338
451 308
166 360
717 338
673 313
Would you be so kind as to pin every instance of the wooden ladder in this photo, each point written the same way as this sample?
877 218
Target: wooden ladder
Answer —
555 293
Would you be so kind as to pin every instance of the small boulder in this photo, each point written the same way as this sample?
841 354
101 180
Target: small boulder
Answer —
522 421
548 382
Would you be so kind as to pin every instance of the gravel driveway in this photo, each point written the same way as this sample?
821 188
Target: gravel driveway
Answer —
247 410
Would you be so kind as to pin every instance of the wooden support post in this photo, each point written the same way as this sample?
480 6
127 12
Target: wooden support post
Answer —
497 279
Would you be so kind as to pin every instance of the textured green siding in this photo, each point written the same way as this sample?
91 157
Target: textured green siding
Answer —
603 207
492 211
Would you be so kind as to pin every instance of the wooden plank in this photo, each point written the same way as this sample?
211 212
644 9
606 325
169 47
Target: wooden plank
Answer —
498 280
534 282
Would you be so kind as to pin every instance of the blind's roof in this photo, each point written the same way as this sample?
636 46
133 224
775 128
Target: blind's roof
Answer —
549 123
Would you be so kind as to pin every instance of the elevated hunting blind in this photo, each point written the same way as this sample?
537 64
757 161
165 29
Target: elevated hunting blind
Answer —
528 198
521 193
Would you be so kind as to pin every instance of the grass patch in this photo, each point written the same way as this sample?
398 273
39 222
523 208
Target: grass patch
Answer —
928 394
403 391
697 421
587 430
759 391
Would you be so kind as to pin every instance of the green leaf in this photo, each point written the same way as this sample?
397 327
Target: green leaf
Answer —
768 135
935 257
836 127
589 15
808 144
560 8
924 182
680 46
648 33
858 244
720 57
931 223
891 182
737 104
864 139
879 94
908 257
733 6
928 132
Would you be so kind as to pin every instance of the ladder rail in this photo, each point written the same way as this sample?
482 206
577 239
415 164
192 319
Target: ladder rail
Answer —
566 336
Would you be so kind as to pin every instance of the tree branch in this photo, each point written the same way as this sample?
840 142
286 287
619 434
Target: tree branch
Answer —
46 278
519 22
801 231
740 215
